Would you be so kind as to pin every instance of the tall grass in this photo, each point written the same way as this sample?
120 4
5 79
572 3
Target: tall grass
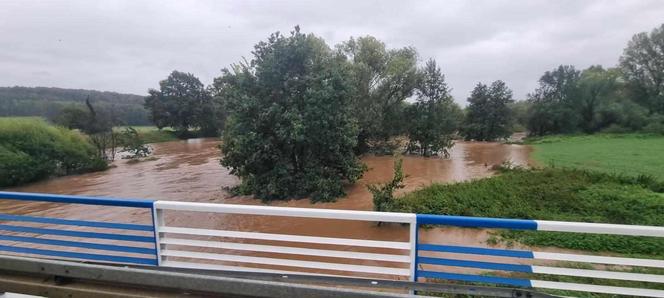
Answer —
31 149
554 194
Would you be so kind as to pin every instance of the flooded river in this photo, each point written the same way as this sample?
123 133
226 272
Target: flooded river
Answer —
190 171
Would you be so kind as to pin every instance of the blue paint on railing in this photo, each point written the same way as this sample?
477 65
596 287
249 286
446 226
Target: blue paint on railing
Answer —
77 233
24 196
475 264
519 282
97 246
524 254
476 222
82 223
78 255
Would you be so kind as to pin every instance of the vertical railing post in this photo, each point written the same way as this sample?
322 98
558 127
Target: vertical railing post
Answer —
157 222
413 247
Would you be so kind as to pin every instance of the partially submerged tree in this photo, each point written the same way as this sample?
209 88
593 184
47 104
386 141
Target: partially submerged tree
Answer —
133 144
383 194
290 132
182 102
488 116
433 119
382 78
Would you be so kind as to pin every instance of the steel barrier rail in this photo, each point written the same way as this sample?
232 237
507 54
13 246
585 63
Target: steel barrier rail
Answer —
405 257
461 254
172 246
135 249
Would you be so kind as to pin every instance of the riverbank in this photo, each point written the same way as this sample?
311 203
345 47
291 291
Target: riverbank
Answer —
624 154
553 194
152 134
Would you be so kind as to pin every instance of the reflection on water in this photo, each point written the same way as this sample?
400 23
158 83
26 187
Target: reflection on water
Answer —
190 171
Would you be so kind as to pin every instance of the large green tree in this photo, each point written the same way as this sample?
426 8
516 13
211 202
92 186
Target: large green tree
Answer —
596 88
434 117
383 78
488 116
290 131
182 102
553 102
642 64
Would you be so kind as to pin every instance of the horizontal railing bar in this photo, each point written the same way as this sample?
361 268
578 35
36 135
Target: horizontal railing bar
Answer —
519 282
97 246
200 266
543 255
476 250
596 288
77 233
598 259
288 250
83 223
599 228
286 262
599 274
288 211
25 196
78 255
475 264
286 237
478 222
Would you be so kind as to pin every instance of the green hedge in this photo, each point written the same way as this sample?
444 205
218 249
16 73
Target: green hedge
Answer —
31 149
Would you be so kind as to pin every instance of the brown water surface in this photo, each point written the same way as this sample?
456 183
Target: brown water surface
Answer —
190 171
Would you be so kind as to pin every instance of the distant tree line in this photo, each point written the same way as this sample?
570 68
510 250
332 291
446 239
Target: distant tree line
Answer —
50 102
625 98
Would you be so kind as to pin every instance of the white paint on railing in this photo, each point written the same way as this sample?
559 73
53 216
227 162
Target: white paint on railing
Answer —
288 250
596 289
201 266
286 262
599 228
599 274
598 259
288 211
287 238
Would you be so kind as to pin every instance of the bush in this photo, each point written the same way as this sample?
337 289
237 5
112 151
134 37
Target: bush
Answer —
31 150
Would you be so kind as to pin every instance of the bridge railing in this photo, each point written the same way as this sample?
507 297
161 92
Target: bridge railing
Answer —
432 265
182 244
176 243
68 238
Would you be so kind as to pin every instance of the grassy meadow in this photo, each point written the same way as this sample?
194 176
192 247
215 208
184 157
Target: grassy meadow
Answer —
151 134
626 154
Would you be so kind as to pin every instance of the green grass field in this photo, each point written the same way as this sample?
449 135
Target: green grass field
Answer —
626 154
151 134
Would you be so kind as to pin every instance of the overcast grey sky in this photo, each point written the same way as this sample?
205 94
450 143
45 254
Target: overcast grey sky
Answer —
128 46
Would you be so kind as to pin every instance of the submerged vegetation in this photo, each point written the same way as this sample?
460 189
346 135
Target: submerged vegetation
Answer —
553 194
31 149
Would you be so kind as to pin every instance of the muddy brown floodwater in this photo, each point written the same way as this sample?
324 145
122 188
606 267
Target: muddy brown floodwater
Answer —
190 171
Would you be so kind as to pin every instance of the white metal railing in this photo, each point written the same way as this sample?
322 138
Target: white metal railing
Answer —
191 252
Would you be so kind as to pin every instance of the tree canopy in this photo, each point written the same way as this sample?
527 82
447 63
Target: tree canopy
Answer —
290 131
382 79
434 117
488 116
642 64
182 102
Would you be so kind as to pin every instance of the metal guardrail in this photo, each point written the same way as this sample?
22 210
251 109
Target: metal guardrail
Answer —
401 262
462 253
199 248
136 239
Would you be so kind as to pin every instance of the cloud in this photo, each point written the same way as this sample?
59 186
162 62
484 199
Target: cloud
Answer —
128 46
